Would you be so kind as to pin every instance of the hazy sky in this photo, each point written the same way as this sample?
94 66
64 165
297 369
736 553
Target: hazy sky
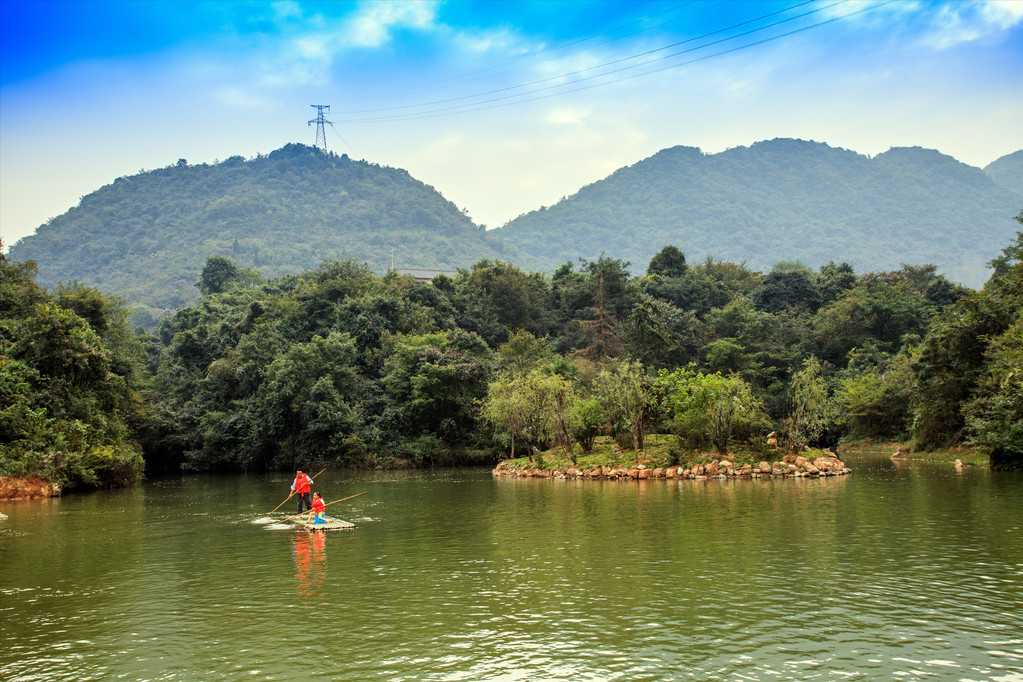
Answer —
503 106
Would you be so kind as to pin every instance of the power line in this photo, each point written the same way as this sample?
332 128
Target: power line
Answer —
476 75
497 102
612 62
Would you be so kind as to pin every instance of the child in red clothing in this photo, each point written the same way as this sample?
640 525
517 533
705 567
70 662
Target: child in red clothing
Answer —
317 510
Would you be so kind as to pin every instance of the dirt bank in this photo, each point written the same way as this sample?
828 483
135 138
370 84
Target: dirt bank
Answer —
26 488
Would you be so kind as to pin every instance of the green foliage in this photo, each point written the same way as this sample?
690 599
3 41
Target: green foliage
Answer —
955 361
812 412
587 418
789 288
531 408
759 203
70 376
995 413
669 262
873 398
708 407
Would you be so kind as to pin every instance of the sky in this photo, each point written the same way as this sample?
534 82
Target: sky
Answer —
503 106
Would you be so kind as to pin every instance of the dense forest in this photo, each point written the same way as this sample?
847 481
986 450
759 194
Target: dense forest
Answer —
145 237
786 199
340 367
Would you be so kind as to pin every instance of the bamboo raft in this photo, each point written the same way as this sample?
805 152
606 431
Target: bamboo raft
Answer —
331 524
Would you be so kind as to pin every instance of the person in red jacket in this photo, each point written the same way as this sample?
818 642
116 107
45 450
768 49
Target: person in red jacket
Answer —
301 487
318 510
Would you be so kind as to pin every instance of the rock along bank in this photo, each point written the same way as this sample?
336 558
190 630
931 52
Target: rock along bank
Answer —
790 466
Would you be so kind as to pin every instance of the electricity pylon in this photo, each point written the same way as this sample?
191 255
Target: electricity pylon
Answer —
321 133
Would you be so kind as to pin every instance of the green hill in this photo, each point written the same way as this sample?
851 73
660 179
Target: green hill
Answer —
782 200
1007 171
147 236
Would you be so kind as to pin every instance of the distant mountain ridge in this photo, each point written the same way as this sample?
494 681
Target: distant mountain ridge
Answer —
779 200
146 237
1007 171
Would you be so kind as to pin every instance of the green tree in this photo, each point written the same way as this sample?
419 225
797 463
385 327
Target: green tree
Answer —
708 406
624 390
669 262
812 413
995 414
218 273
531 407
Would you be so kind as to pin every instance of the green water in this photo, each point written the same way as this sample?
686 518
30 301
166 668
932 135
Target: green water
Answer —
908 572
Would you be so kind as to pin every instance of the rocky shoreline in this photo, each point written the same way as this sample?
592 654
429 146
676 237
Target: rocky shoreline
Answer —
790 466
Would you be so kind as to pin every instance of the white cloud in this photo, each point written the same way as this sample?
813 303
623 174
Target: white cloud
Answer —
573 116
372 25
966 22
286 10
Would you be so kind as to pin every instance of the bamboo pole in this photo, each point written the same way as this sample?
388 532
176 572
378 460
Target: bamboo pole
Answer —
295 516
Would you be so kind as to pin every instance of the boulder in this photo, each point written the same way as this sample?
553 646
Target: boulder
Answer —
712 468
764 467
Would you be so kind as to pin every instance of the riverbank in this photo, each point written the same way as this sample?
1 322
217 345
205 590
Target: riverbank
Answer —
903 451
26 488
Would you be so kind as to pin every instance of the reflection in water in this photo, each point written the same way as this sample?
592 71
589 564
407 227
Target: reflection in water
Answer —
310 566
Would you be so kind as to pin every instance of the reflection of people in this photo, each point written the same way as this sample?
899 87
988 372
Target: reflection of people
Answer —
310 566
317 511
301 488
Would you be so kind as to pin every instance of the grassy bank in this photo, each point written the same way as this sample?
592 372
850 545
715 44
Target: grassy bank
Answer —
969 455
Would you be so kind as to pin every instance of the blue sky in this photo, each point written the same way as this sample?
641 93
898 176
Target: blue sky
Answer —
503 106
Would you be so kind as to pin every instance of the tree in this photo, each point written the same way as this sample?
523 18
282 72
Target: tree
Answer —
873 399
612 295
532 407
668 262
708 406
217 274
623 389
811 412
497 298
953 358
649 333
783 289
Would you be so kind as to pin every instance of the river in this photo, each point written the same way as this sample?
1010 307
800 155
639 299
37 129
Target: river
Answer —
908 571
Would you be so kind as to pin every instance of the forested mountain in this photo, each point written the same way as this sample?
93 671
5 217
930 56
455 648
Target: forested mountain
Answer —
1007 171
146 237
783 200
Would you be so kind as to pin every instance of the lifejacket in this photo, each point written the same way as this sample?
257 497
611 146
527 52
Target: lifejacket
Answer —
302 484
318 505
